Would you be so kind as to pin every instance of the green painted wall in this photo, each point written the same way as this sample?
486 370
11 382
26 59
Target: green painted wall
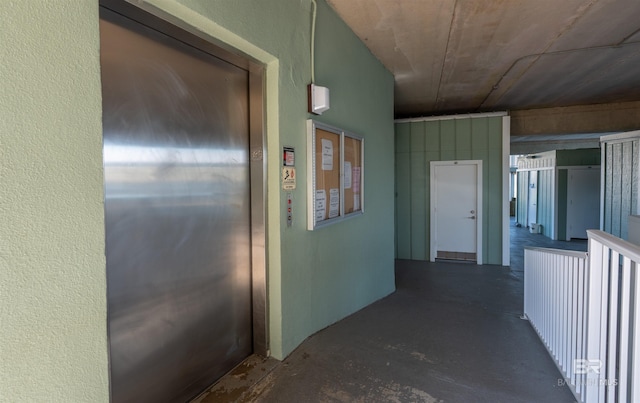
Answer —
620 184
545 214
522 198
53 335
562 204
419 143
544 203
581 157
52 282
319 277
551 211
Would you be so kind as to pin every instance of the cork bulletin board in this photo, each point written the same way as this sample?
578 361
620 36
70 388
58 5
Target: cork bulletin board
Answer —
353 153
335 174
327 171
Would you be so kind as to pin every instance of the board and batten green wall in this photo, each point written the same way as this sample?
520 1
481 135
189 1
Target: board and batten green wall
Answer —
542 165
545 215
522 196
420 142
53 340
620 164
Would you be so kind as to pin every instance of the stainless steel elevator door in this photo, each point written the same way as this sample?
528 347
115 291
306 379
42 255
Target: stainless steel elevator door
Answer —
177 209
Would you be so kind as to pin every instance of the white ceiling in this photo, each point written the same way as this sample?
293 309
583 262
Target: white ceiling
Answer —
455 56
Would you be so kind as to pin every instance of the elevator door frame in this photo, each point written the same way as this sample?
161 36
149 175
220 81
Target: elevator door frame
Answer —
180 31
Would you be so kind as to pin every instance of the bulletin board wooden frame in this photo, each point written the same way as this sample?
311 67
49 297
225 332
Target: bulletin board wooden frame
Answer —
335 175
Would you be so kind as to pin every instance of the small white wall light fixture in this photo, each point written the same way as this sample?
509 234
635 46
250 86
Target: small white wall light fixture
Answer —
318 99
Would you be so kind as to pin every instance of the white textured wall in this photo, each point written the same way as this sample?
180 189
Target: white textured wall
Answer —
53 344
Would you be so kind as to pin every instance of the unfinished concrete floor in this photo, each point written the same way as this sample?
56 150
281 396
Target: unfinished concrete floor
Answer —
450 333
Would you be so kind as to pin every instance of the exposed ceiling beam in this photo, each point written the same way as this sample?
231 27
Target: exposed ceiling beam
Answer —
598 118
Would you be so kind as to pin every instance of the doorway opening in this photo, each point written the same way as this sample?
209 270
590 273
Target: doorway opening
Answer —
583 201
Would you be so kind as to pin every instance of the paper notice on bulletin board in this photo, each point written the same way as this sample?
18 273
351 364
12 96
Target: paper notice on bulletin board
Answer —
327 155
321 205
334 203
356 202
355 181
347 175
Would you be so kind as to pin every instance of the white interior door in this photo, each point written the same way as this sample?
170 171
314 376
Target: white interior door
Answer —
532 206
583 202
455 205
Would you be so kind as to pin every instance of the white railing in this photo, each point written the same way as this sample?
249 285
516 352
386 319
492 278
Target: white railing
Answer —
554 301
586 310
